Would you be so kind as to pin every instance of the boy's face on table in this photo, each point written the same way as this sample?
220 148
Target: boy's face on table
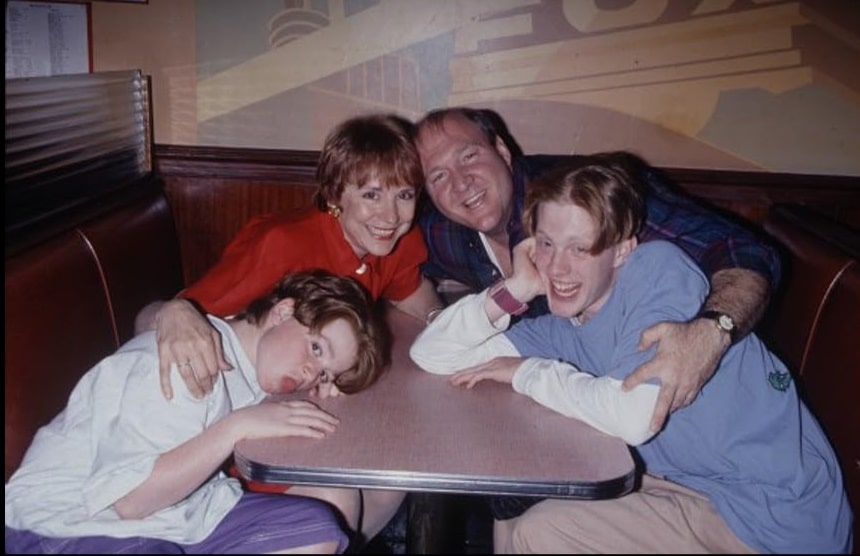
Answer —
577 283
291 358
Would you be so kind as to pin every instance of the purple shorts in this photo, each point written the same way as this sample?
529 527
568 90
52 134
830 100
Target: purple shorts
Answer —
258 523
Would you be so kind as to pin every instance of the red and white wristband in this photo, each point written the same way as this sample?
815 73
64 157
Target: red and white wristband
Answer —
506 302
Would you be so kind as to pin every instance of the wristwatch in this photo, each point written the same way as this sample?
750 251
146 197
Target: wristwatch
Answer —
506 302
722 321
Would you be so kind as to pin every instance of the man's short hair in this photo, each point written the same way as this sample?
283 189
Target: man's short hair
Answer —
491 124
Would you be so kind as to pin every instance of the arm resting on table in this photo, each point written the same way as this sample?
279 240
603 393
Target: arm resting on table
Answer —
462 336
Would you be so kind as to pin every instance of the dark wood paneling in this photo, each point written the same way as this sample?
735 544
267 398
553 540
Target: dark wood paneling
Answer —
213 191
751 194
252 164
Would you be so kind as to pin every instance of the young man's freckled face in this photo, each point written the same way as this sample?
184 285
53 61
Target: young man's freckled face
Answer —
577 282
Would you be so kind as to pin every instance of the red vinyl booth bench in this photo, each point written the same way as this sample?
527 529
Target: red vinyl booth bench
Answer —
71 299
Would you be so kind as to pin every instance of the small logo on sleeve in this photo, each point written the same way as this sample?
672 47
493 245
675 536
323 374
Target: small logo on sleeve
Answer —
779 380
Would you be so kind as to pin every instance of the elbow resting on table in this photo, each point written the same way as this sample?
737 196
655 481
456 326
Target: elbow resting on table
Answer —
639 433
625 415
634 428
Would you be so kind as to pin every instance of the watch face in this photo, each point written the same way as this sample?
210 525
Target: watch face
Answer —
726 322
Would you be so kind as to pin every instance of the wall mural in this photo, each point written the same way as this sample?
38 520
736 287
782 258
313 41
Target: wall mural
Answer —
737 84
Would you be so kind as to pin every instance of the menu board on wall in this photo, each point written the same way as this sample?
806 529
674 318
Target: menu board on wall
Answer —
46 38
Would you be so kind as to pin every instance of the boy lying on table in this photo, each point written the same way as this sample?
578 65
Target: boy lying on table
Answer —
121 469
744 468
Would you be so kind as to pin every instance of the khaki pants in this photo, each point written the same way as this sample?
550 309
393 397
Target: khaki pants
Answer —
660 517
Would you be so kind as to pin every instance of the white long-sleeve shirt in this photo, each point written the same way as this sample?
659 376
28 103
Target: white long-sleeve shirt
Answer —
463 336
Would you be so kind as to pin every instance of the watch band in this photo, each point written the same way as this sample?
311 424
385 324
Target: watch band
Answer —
507 302
722 321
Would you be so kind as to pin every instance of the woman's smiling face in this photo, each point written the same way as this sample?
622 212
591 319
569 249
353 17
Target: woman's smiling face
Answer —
375 217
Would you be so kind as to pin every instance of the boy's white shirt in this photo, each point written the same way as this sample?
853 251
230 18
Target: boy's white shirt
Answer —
74 497
463 336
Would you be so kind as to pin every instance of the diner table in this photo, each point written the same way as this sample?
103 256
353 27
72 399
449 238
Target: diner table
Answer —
416 432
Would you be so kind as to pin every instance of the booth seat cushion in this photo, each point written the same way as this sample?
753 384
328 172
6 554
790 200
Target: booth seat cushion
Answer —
71 300
138 252
58 324
811 267
831 382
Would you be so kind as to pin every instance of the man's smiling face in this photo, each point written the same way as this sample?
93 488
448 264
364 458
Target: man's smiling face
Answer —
468 179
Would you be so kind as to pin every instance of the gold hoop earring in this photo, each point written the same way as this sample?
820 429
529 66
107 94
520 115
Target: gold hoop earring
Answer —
334 210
